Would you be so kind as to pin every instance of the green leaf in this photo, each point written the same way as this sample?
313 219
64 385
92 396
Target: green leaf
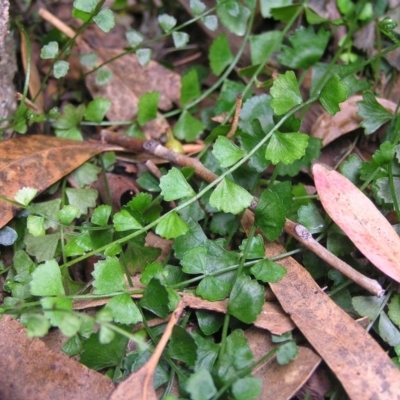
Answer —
61 315
228 95
385 154
256 248
286 353
35 225
25 195
67 214
97 109
70 117
230 198
190 89
307 48
88 59
285 92
234 16
143 56
194 261
124 309
82 198
226 152
268 271
60 69
42 247
108 276
220 54
123 221
105 20
200 385
101 214
193 238
148 104
171 226
174 186
97 355
368 306
180 39
103 76
286 147
264 45
334 92
167 22
49 50
155 298
246 299
134 38
312 152
388 331
188 127
197 7
270 214
46 280
213 289
374 115
85 5
37 325
309 216
267 5
394 309
191 211
247 388
182 346
86 174
209 322
211 22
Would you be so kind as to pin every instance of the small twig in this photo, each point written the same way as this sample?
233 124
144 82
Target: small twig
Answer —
153 169
303 235
53 20
238 106
29 103
295 230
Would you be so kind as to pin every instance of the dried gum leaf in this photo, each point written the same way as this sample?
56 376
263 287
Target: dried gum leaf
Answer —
358 217
39 161
31 370
359 363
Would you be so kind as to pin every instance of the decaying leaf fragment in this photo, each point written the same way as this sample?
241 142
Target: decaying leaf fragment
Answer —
358 217
38 161
30 370
328 127
359 363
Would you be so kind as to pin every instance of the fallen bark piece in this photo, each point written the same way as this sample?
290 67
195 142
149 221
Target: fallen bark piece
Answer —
30 370
358 217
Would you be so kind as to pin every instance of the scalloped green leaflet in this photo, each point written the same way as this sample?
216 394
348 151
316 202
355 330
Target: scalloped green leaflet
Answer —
286 147
230 198
171 226
174 186
374 115
220 54
285 92
226 152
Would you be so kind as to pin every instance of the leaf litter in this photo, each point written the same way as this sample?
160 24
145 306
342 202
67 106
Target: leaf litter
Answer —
360 364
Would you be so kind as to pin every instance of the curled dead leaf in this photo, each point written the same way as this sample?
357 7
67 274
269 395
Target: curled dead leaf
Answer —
358 217
328 127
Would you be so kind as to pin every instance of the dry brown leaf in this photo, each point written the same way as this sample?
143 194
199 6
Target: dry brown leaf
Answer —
280 382
130 80
38 161
360 364
328 127
358 217
29 370
139 385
